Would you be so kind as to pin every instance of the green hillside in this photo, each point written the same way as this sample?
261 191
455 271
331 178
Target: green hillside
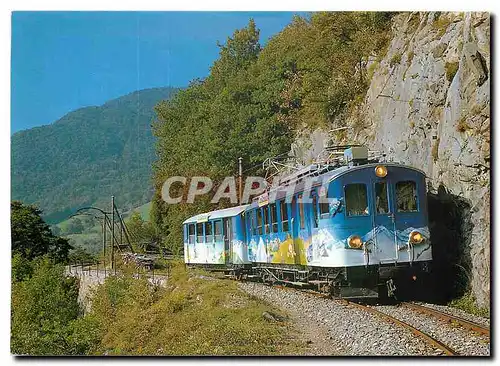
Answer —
87 156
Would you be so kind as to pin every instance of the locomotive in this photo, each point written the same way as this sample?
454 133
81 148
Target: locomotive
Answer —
353 226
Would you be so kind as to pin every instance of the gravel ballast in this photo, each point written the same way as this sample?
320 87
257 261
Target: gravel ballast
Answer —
461 340
351 331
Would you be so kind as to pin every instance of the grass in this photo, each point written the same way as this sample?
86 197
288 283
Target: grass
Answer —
462 125
435 150
440 25
195 315
468 304
396 59
451 69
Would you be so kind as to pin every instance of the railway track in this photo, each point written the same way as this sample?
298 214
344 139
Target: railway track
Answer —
447 351
475 327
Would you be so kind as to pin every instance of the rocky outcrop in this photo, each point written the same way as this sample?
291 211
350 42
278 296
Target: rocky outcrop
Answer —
428 105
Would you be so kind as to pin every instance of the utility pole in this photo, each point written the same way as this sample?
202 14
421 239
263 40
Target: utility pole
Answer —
113 232
240 184
104 241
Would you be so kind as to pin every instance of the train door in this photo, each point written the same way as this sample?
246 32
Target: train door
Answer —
384 234
228 240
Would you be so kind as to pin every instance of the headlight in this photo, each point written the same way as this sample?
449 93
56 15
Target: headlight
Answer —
355 242
380 171
416 237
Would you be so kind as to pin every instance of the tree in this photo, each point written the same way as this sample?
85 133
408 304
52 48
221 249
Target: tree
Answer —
32 237
43 307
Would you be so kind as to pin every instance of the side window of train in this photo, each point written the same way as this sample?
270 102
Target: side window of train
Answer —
191 233
199 232
284 216
314 208
209 231
218 230
301 212
356 200
265 216
274 222
324 207
381 200
259 221
406 196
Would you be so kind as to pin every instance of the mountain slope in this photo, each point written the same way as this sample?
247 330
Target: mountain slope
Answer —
88 155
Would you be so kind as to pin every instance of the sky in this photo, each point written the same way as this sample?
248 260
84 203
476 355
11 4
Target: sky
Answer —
62 61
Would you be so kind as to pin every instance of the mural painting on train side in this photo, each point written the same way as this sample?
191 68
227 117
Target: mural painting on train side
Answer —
326 249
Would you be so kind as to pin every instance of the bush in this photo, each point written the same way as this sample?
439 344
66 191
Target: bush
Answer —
43 307
451 69
396 59
195 315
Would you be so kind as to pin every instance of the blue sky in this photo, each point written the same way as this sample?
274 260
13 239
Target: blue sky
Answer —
62 61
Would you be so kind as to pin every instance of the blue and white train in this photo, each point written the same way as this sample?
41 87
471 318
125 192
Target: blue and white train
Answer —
362 232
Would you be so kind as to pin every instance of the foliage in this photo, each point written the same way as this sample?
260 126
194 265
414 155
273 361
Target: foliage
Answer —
256 98
451 69
193 316
395 60
87 156
468 304
441 24
32 237
143 234
43 306
81 255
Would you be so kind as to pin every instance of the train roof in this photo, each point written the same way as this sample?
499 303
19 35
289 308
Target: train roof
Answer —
330 175
217 214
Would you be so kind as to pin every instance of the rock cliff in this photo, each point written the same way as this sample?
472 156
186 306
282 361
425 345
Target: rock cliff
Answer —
428 105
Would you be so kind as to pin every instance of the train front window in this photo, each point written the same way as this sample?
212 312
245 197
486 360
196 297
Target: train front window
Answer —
406 196
356 200
381 200
284 216
191 233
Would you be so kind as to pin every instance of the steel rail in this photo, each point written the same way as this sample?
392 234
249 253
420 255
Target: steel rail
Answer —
449 318
431 340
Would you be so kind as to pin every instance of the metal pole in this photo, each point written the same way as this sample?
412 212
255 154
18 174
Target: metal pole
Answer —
240 184
104 242
112 232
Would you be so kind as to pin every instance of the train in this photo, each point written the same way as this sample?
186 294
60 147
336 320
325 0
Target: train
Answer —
353 226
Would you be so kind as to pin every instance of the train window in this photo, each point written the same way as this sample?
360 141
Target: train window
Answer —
199 232
406 196
274 222
356 200
324 207
381 200
191 233
253 223
315 210
284 216
266 219
208 232
301 212
218 230
259 221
